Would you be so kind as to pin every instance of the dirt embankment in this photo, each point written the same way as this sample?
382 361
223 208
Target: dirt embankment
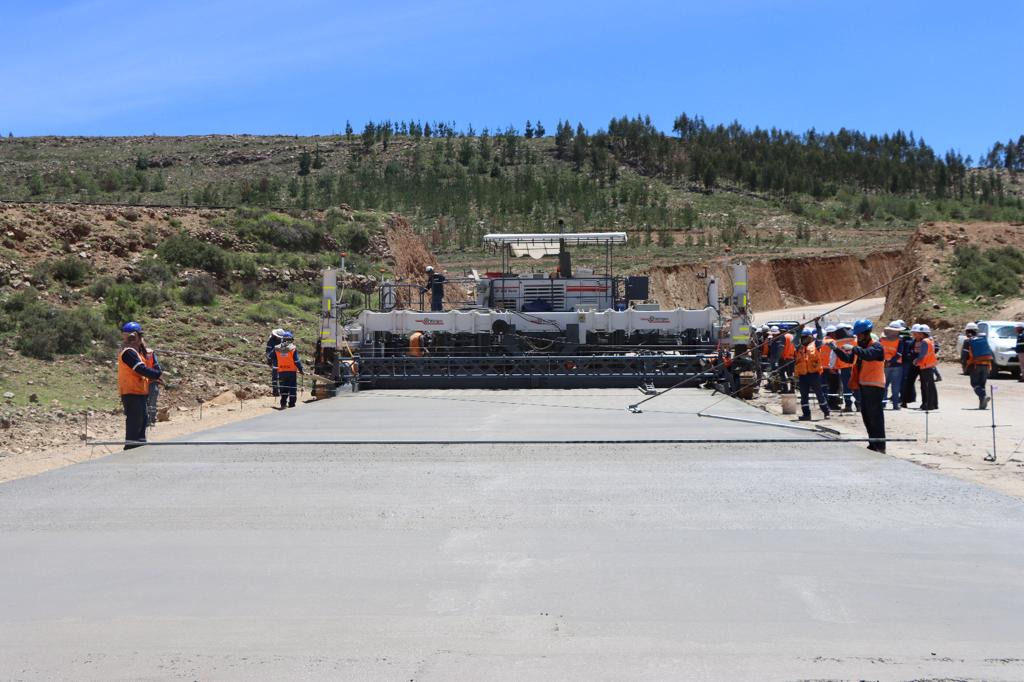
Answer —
931 248
781 282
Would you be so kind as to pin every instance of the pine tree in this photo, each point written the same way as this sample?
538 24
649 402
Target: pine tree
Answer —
528 131
305 161
348 131
318 161
538 130
426 130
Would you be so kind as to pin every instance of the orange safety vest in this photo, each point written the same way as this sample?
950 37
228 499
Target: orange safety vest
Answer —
867 373
788 350
416 344
846 345
891 348
150 359
826 353
286 361
808 360
929 360
130 382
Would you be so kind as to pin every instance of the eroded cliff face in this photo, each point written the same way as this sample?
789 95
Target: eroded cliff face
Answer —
780 282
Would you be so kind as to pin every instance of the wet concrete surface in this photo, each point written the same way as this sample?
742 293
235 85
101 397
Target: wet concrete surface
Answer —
743 561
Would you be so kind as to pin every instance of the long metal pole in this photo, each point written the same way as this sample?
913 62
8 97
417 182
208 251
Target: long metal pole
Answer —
635 406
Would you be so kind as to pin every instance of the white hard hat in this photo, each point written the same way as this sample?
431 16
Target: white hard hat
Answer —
277 332
430 268
829 329
971 326
901 323
925 329
764 328
775 329
897 325
915 328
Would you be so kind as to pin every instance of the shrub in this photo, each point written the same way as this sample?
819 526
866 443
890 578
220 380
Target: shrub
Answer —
200 290
70 270
185 250
154 270
282 231
269 311
51 331
121 304
987 273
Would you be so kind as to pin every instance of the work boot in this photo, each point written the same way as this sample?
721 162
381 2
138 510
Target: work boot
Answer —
983 403
828 415
804 418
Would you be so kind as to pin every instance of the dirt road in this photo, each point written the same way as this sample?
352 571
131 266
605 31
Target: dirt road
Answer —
959 434
869 307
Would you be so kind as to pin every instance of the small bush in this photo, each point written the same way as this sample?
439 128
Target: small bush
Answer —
121 304
154 270
269 311
987 273
200 290
71 270
99 287
282 231
52 331
185 250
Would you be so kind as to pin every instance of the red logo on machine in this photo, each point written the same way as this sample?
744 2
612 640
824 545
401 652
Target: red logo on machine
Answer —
430 322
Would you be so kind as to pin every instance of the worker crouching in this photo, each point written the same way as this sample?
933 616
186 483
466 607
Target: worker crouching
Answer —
867 375
133 379
286 361
807 368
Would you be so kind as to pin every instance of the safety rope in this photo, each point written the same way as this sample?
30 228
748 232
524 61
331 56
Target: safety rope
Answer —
594 441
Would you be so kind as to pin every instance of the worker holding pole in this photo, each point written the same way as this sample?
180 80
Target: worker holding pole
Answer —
867 374
133 377
807 368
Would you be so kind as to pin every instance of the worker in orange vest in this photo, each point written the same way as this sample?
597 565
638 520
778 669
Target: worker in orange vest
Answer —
867 374
926 362
788 358
845 340
133 379
830 377
286 361
807 368
892 345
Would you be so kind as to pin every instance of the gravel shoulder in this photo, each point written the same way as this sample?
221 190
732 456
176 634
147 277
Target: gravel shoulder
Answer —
959 434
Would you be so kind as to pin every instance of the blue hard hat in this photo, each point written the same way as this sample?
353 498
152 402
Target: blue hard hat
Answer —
132 327
806 331
862 326
287 335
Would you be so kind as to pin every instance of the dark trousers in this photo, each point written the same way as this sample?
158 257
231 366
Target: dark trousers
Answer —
909 394
135 418
289 388
275 389
979 378
929 394
873 415
436 298
811 383
835 389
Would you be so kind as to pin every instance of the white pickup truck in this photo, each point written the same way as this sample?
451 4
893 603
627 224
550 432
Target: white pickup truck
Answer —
1002 337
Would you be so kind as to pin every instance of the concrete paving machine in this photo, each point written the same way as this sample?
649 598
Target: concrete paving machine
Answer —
566 327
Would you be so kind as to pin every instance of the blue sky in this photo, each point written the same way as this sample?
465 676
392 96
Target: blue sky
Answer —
949 71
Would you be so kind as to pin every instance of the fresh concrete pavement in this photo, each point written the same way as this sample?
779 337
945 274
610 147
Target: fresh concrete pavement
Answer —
402 562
